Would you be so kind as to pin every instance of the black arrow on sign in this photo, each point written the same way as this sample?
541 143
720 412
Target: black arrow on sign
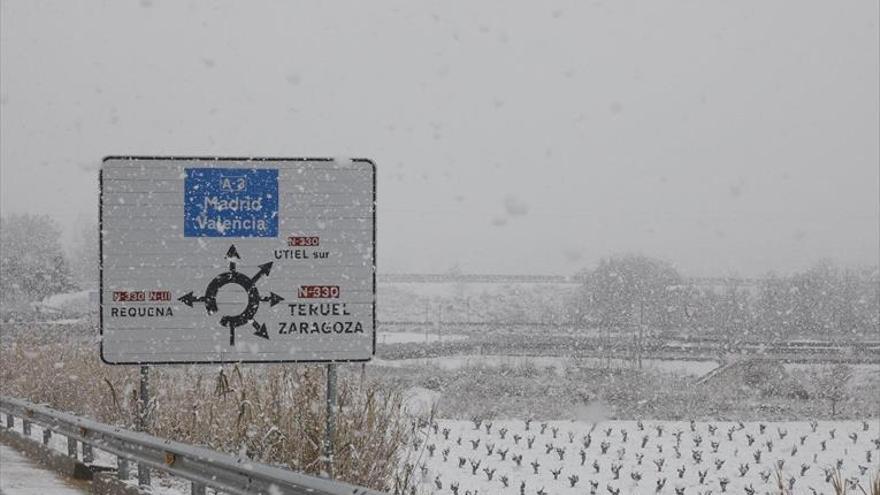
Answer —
232 257
265 268
231 332
272 299
260 330
189 299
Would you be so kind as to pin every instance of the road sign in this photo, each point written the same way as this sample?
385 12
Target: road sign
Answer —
214 260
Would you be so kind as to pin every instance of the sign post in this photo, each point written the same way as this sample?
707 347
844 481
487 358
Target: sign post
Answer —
143 411
330 427
238 260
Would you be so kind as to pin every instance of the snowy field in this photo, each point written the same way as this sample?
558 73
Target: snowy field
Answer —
416 337
557 363
629 457
687 367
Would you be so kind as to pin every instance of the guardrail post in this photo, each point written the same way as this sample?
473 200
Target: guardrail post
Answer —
197 489
122 468
47 435
88 454
71 447
329 431
25 427
143 475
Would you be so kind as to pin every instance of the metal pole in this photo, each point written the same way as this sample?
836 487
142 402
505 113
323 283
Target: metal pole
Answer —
329 431
143 398
143 406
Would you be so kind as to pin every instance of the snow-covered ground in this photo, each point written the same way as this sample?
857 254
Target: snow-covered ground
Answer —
861 373
21 476
161 484
416 337
558 364
651 457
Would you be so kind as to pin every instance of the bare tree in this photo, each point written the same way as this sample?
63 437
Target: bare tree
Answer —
632 292
32 265
830 383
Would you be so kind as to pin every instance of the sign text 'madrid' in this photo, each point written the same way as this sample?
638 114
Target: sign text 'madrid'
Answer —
230 202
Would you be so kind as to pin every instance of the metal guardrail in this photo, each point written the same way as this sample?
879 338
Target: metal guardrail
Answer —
202 467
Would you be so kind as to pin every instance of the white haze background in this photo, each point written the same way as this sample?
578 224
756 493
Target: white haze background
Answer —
511 137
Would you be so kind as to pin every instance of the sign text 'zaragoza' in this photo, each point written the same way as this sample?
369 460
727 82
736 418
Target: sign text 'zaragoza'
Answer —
210 260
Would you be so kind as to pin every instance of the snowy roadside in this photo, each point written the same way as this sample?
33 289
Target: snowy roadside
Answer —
161 483
21 476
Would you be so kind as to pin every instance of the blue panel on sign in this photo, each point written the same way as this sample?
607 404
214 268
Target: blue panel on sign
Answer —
230 202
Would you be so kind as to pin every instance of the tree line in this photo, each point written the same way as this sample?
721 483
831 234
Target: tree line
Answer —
633 292
625 293
33 264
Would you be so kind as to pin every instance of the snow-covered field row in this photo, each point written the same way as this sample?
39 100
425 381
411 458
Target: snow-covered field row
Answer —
630 457
417 337
558 364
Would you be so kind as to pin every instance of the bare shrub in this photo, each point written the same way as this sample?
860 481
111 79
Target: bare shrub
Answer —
273 414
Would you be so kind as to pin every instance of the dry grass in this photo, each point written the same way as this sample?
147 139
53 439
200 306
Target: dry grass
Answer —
838 482
875 485
272 414
842 486
780 483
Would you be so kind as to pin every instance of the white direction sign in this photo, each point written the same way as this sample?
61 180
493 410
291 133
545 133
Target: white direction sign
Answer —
214 260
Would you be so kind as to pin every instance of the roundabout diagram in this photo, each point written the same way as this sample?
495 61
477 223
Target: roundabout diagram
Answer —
248 284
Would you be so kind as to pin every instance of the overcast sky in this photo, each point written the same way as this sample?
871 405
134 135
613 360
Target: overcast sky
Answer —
510 137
